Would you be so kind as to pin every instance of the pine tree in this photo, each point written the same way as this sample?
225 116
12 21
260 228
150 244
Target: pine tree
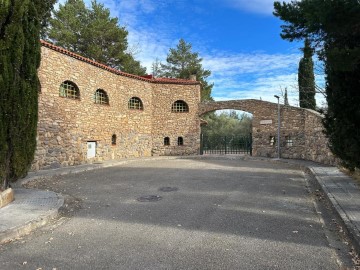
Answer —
92 33
306 78
156 68
182 62
20 26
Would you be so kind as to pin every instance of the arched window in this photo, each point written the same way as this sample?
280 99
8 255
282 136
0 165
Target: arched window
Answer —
69 89
113 139
179 106
180 141
135 103
100 97
166 141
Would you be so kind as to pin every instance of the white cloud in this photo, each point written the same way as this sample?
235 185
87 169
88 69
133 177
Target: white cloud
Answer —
261 77
130 11
254 6
147 42
253 75
262 87
249 63
236 75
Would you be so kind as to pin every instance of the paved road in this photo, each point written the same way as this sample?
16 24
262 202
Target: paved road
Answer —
225 214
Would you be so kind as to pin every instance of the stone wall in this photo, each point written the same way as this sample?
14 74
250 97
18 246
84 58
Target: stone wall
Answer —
66 125
301 130
316 143
174 125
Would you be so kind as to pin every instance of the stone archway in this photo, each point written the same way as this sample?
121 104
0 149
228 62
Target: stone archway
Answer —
256 107
264 122
301 130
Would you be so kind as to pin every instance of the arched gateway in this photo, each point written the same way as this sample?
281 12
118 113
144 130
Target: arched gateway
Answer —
248 105
301 131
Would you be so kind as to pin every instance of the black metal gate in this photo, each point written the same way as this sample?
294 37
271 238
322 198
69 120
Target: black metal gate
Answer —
224 145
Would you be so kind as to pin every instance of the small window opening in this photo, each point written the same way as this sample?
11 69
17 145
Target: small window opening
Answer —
113 139
272 140
166 141
180 106
69 90
289 141
100 97
180 141
135 103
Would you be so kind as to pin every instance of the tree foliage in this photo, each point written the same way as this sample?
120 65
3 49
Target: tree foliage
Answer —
181 62
92 33
306 78
227 124
333 28
20 25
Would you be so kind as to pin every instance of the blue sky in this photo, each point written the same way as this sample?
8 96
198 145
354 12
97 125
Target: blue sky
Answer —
239 41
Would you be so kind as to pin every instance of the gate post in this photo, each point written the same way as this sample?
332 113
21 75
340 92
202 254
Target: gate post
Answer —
250 140
201 144
225 145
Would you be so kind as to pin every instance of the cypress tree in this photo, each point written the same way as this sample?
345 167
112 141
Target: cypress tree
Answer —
306 78
286 100
333 27
20 25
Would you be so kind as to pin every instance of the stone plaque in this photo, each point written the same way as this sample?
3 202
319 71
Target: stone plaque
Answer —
265 122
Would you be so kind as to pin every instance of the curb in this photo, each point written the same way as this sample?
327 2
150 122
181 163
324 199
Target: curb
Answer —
351 230
22 230
83 168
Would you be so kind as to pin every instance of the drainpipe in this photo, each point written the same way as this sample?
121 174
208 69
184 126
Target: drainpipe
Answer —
278 129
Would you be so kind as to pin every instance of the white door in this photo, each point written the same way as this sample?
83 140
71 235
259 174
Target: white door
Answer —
91 149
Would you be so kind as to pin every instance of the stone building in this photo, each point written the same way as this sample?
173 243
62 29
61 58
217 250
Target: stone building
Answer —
90 112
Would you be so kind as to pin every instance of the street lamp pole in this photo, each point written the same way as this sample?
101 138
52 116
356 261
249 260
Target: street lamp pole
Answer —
278 129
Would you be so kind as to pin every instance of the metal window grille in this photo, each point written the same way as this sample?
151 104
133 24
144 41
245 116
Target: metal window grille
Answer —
272 140
166 141
69 90
135 103
180 141
179 106
100 97
289 141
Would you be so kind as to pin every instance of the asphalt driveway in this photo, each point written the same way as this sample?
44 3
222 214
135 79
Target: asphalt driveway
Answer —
179 214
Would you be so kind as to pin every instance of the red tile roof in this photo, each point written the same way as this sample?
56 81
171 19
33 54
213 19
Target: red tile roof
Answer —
147 78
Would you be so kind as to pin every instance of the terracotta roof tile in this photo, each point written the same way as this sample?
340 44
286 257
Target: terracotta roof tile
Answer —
147 78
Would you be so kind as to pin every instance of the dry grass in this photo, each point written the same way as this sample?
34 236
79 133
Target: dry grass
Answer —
354 175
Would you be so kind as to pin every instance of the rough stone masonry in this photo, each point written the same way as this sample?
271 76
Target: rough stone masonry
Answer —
90 112
301 130
67 127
